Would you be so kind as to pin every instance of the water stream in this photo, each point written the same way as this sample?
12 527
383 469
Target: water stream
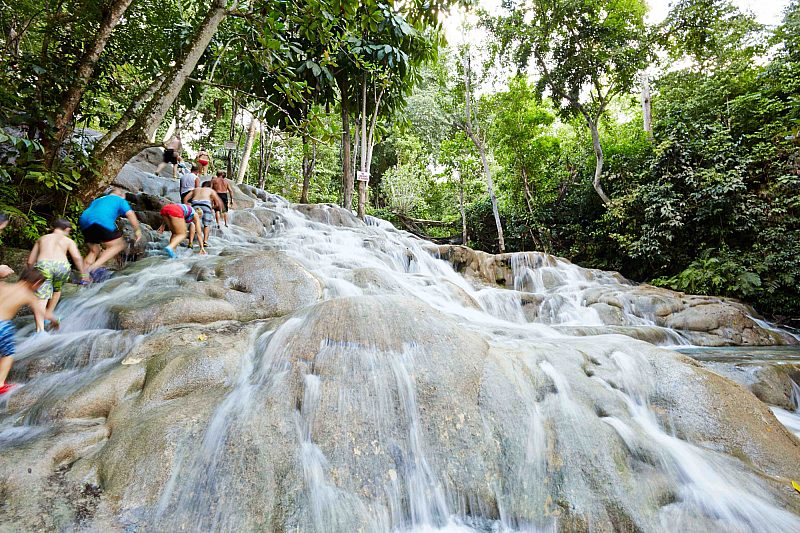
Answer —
544 360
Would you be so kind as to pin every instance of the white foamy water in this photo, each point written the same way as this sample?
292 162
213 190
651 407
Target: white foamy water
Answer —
562 443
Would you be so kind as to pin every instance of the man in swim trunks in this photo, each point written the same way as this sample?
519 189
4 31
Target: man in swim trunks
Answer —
12 297
172 151
99 227
49 256
222 186
189 182
204 160
207 200
176 217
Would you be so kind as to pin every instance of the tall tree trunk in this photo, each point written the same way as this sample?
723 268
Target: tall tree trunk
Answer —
133 139
362 186
461 209
231 138
598 155
263 178
83 73
528 195
480 145
261 152
647 111
347 175
248 147
306 169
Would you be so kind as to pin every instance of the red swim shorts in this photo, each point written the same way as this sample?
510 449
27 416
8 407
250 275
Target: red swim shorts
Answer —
202 162
172 210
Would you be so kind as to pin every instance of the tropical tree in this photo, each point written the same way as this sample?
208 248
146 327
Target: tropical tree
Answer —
584 53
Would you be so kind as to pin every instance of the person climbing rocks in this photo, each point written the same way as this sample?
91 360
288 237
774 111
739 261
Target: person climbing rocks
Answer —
12 297
207 200
49 256
5 270
172 152
189 182
176 217
222 186
98 224
204 160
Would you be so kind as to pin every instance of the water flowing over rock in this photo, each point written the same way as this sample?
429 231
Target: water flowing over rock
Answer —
323 375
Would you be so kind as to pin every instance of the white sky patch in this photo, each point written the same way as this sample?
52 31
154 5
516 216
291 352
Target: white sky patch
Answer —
768 12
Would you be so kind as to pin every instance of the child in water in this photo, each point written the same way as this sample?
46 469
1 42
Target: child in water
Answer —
12 297
49 256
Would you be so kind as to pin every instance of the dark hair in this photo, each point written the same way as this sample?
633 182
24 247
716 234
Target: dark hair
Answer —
62 223
3 217
31 276
195 168
221 173
206 184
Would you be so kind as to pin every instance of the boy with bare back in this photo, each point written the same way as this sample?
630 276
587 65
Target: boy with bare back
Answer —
222 186
12 297
49 256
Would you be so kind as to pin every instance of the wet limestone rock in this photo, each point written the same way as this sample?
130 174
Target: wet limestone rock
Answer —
267 284
702 320
330 214
173 307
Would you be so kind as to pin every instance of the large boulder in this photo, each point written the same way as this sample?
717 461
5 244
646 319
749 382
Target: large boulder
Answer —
267 284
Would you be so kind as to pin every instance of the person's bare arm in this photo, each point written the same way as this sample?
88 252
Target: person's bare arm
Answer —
5 271
77 258
230 192
197 182
34 255
137 230
189 196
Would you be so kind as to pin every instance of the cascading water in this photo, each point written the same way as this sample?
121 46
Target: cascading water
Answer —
407 400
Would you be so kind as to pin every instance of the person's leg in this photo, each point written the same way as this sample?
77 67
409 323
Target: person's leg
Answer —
112 248
5 368
38 309
191 235
94 251
206 231
159 168
53 302
178 228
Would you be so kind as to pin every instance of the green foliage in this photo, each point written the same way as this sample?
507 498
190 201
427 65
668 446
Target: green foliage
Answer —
715 272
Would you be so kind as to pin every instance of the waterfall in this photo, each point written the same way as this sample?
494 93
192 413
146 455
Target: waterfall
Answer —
407 399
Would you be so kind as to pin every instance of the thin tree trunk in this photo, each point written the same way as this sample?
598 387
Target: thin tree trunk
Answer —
134 138
647 112
598 154
347 175
231 137
248 147
479 144
362 186
261 152
306 169
83 73
461 209
528 195
269 160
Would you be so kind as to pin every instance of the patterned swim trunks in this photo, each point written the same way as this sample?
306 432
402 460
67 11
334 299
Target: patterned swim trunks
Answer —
55 273
7 331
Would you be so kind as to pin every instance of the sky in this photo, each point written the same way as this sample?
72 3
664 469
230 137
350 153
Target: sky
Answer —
768 12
